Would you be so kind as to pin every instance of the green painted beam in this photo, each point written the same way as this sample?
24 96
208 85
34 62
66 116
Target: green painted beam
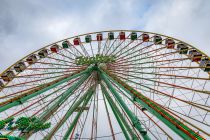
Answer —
118 114
155 109
120 123
131 115
27 97
87 96
73 124
57 103
63 98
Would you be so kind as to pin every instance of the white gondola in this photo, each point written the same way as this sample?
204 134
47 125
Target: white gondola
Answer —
31 59
43 53
8 76
182 48
205 64
19 67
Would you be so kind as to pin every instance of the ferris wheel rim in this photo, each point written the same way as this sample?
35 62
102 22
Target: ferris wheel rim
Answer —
104 31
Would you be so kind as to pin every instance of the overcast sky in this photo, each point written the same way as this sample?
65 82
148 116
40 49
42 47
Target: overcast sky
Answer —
27 25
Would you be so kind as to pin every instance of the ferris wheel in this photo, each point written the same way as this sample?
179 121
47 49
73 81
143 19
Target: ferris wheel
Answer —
119 84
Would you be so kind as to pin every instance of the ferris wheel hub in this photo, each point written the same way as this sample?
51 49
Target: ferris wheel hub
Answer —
99 58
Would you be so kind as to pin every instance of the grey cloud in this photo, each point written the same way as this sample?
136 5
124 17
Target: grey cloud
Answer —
187 20
28 25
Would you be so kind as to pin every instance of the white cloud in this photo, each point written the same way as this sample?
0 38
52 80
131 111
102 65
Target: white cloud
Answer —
187 20
29 25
